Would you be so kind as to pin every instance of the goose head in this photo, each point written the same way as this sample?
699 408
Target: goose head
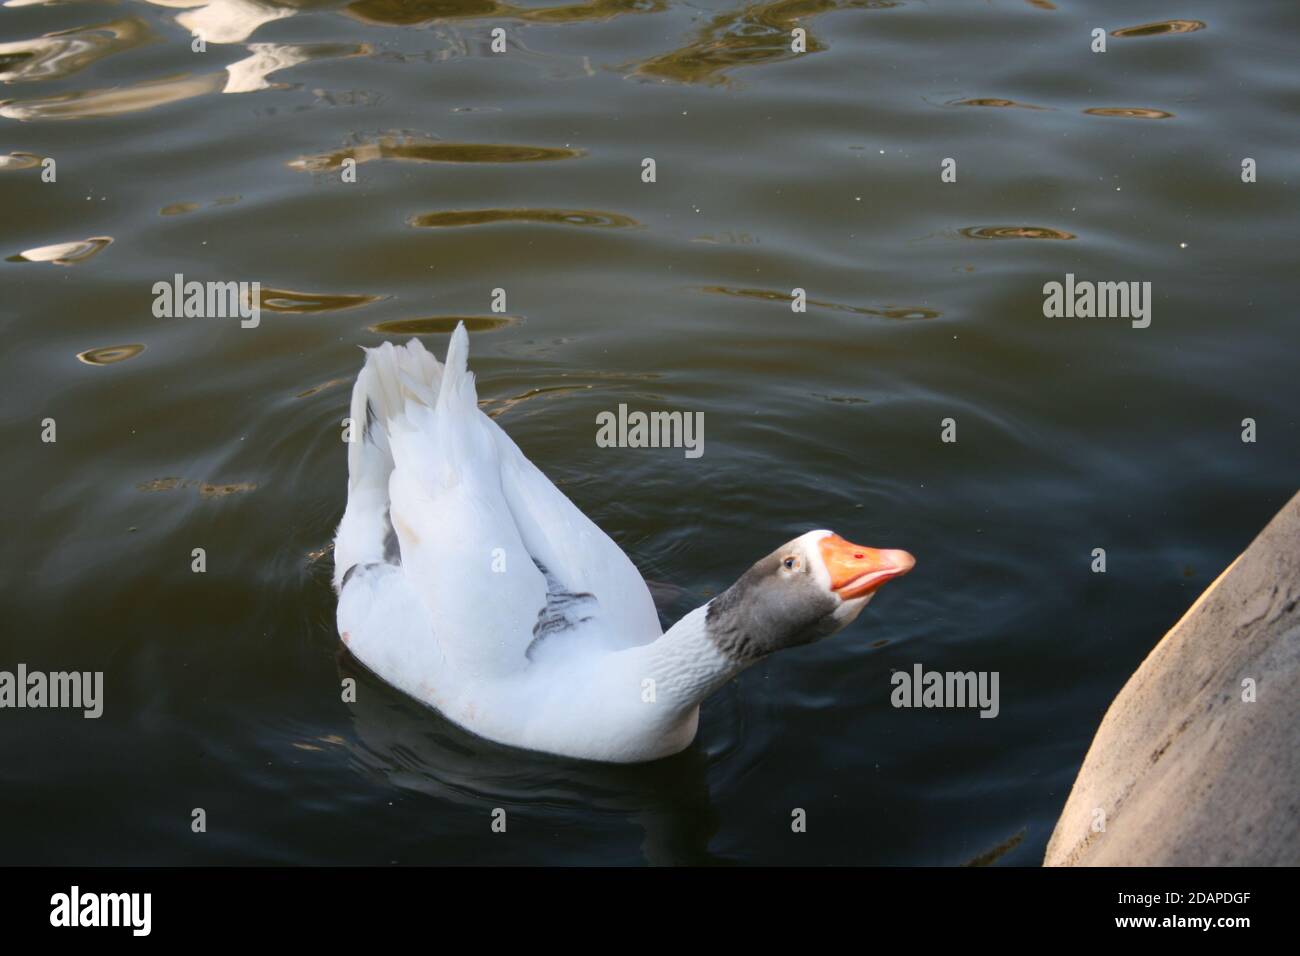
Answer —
807 589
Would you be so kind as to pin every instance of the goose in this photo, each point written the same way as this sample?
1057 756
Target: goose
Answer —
468 581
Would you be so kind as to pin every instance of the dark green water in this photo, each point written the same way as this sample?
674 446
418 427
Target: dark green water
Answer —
522 170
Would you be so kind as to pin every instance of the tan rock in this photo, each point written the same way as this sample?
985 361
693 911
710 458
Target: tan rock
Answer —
1183 770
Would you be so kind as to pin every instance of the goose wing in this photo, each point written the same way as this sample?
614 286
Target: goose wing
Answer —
501 560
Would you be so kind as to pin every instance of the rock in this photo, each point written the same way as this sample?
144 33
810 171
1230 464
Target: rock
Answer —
1186 770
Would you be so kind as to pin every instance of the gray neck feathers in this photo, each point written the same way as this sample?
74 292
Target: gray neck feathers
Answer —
763 612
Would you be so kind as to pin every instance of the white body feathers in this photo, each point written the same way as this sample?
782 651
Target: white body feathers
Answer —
467 580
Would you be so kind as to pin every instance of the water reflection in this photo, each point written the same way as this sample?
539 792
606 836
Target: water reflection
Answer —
14 161
996 102
1161 28
243 76
178 208
65 253
588 12
209 490
315 389
182 208
226 21
479 217
890 312
412 12
1014 232
440 324
416 149
1135 112
284 300
993 854
206 489
496 407
753 34
109 354
61 54
417 749
250 74
84 104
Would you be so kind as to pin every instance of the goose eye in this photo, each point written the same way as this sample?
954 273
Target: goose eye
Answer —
790 563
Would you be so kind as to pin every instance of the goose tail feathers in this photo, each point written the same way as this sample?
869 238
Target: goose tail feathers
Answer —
393 378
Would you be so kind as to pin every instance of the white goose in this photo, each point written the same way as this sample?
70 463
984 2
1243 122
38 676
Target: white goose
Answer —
467 580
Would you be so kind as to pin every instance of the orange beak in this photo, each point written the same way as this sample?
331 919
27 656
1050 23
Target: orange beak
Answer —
857 571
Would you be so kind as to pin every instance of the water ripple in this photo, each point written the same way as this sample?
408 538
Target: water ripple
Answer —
413 149
56 55
416 12
1014 232
85 104
439 324
283 300
1133 112
753 34
1160 29
109 354
243 76
889 312
16 160
479 217
226 21
65 253
996 102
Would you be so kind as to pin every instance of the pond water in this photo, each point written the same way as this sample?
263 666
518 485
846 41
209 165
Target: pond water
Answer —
522 170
